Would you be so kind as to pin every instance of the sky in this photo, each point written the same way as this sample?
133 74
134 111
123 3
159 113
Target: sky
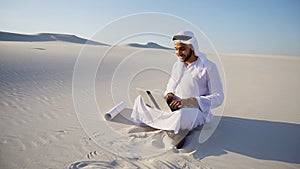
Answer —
233 26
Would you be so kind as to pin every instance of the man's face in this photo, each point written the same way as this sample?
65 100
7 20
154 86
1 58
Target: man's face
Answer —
182 51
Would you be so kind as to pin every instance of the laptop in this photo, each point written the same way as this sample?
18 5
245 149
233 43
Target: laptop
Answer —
155 100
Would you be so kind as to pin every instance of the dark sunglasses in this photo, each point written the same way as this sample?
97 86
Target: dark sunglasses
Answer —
181 37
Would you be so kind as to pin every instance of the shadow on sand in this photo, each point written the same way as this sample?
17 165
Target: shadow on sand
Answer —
258 139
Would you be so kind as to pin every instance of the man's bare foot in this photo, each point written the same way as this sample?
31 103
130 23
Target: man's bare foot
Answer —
178 139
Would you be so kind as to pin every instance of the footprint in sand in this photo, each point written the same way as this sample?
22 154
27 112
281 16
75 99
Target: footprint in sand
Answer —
91 154
93 164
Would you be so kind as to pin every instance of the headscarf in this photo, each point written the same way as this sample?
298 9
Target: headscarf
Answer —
188 37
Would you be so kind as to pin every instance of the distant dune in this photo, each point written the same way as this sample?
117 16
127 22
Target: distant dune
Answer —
44 37
7 36
148 45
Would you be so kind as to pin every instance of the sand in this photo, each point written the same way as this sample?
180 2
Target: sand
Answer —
259 128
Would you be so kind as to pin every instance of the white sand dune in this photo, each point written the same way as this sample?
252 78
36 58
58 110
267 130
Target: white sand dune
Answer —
39 127
46 37
148 45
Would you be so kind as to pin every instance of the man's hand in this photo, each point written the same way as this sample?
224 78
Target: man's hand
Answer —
173 101
175 104
169 97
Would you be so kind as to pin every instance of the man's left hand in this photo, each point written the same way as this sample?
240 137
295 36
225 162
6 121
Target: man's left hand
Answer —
175 104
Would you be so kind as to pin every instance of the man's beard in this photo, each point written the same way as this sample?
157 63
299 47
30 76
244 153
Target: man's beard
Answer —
188 56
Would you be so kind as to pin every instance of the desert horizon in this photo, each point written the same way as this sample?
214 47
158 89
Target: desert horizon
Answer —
7 36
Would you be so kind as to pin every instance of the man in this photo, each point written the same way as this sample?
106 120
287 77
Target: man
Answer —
193 89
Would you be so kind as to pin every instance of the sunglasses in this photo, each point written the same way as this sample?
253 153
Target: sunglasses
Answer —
181 37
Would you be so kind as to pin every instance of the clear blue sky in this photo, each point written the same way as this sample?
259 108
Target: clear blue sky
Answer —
234 26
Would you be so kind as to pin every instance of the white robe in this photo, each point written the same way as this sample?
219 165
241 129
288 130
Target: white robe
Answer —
200 80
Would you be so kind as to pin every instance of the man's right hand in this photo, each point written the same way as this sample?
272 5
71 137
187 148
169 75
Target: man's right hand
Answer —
169 97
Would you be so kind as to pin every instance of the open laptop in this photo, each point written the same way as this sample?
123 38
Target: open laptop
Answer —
155 100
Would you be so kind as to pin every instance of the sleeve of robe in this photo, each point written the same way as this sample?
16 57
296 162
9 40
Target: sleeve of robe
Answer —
173 81
215 96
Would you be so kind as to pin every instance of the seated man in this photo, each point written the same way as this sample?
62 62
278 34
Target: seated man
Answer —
193 89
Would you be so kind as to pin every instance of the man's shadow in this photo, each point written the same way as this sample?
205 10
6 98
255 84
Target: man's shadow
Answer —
258 139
